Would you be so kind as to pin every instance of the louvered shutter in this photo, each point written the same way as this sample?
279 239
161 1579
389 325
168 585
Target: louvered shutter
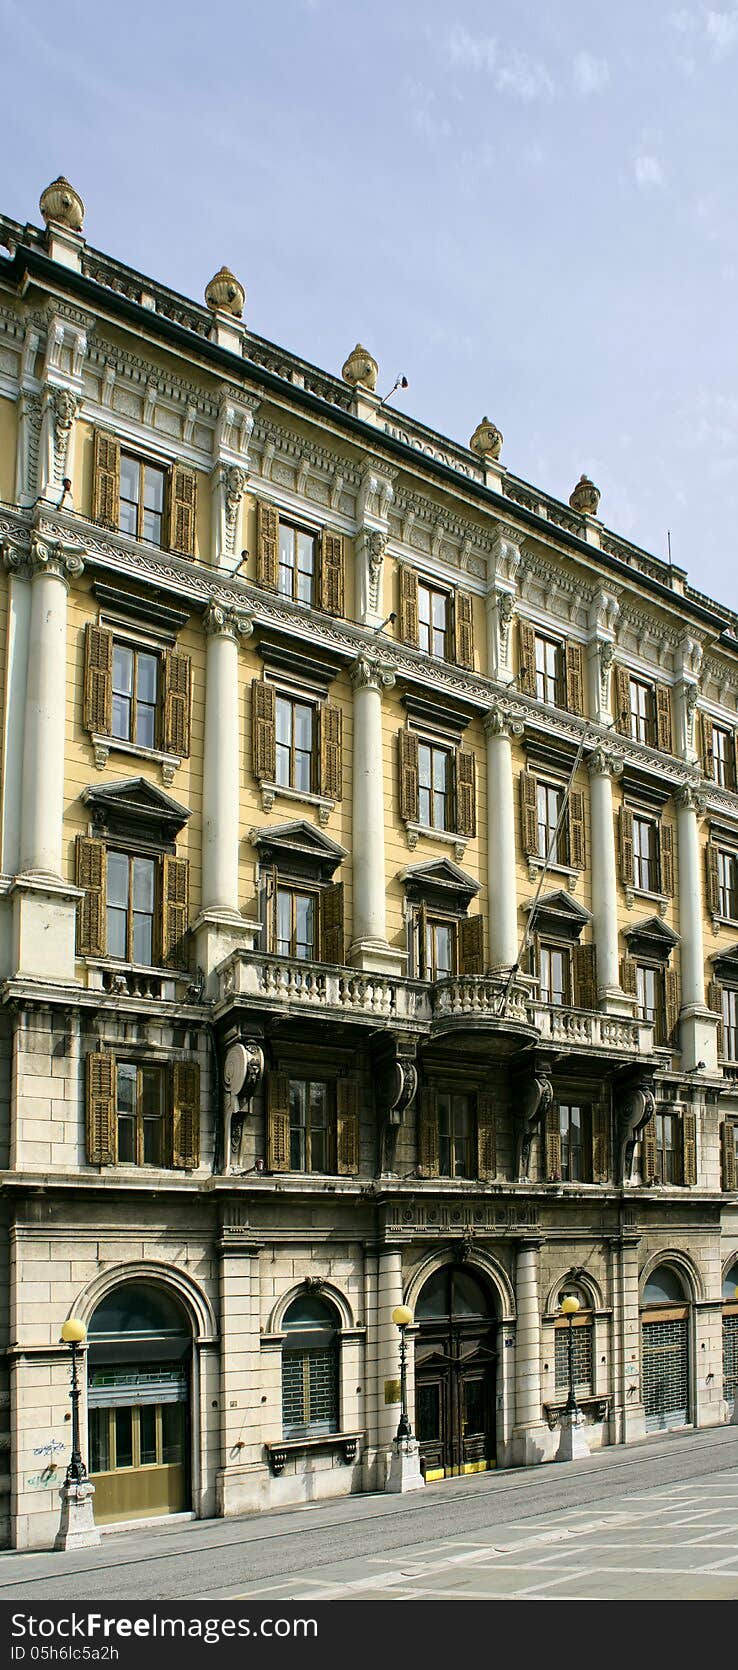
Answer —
408 786
182 510
666 859
463 630
526 658
663 718
185 1114
278 1122
331 767
106 480
689 1147
98 680
727 1155
428 1132
577 834
622 701
263 731
91 874
486 1137
648 1151
347 1127
552 1144
175 892
712 879
715 1003
471 945
706 738
421 918
625 846
176 700
574 679
600 1142
465 791
331 924
585 976
100 1111
267 545
408 606
629 976
330 593
529 814
671 1004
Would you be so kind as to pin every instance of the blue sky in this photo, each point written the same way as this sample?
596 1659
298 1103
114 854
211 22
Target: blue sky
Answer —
530 210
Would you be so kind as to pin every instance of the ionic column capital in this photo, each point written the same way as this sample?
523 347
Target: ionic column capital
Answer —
499 721
220 622
603 763
689 798
49 557
369 672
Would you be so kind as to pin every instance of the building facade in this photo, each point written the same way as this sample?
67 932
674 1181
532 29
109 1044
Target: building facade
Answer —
368 925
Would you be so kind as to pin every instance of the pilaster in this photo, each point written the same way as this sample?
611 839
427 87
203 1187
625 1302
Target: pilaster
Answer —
603 766
697 1024
600 656
528 1439
501 881
503 565
369 949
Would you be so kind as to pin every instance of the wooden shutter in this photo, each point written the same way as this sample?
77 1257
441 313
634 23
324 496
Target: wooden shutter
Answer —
529 814
347 1127
463 630
625 846
526 658
727 1155
278 1122
330 589
585 976
428 1132
706 741
715 1003
422 972
176 703
267 545
106 480
486 1137
689 1147
182 510
552 1144
648 1151
465 792
331 754
331 924
471 945
574 678
629 976
663 717
98 682
175 892
408 758
91 874
184 1090
712 879
600 1142
100 1111
622 700
577 833
408 606
666 859
671 1004
263 730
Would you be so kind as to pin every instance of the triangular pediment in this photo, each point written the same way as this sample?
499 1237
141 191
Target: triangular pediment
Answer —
725 963
440 879
135 803
298 848
654 929
559 914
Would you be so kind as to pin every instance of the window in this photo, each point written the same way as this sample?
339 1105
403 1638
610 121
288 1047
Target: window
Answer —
310 1368
730 1024
141 504
297 915
297 565
650 996
575 1131
723 757
455 1124
440 948
310 1126
549 672
434 786
728 884
433 621
130 907
581 1344
646 872
135 681
667 1148
295 734
554 972
549 800
642 711
140 1114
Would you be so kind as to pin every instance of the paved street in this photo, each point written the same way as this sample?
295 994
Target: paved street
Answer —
656 1521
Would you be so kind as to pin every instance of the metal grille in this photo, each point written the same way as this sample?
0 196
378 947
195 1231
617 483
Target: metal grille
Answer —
309 1392
582 1354
665 1374
730 1357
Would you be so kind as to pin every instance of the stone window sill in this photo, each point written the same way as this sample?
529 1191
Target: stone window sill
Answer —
536 864
458 842
658 899
106 745
347 1442
279 791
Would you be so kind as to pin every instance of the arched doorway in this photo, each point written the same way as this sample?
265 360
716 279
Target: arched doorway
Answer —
730 1341
455 1373
665 1350
138 1399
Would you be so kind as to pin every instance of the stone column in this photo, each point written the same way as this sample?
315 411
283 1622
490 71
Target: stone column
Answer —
698 1026
628 1420
220 925
386 1351
528 1442
602 768
241 1473
503 929
369 948
42 793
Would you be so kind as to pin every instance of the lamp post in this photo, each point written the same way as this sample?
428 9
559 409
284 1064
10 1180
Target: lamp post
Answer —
569 1307
573 1443
402 1317
74 1334
404 1472
77 1528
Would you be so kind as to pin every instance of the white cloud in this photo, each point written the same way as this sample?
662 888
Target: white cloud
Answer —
722 32
590 74
648 172
475 52
511 72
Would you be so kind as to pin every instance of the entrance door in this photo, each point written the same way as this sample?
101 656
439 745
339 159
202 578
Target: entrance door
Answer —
455 1375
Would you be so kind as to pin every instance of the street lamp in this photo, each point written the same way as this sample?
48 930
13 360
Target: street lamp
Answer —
402 1317
569 1307
74 1334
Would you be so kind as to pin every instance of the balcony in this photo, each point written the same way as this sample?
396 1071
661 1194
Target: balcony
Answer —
587 1029
121 980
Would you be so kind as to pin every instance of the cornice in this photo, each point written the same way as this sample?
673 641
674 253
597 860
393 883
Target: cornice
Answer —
140 372
298 448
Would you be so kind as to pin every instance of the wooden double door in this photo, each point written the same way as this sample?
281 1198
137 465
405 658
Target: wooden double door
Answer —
455 1402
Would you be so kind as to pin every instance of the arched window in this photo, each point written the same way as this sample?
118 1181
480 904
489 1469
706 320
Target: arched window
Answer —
582 1343
663 1287
665 1350
730 1339
310 1368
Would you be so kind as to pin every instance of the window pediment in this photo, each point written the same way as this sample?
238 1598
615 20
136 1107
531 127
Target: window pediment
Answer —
440 884
725 964
298 849
652 938
312 667
645 791
559 915
447 717
135 808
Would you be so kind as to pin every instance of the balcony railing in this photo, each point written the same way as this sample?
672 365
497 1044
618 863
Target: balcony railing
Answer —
591 1029
124 980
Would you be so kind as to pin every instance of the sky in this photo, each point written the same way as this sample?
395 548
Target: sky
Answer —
528 210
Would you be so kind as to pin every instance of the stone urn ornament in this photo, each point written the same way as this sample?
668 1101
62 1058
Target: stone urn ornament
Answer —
360 368
487 439
585 497
224 293
61 203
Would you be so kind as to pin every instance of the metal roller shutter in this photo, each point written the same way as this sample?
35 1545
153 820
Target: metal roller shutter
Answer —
730 1358
665 1374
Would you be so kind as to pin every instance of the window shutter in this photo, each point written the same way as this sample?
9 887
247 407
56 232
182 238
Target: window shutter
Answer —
176 702
712 879
466 799
486 1137
331 763
727 1155
463 630
574 679
100 1109
622 701
106 480
278 1122
625 846
408 756
528 814
552 1144
689 1148
600 1142
708 756
585 976
270 877
663 718
648 1151
671 1004
577 834
185 1114
471 945
331 924
267 545
182 510
174 911
428 1132
91 874
526 658
347 1127
421 918
629 976
715 1003
408 606
666 859
98 683
263 730
331 573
